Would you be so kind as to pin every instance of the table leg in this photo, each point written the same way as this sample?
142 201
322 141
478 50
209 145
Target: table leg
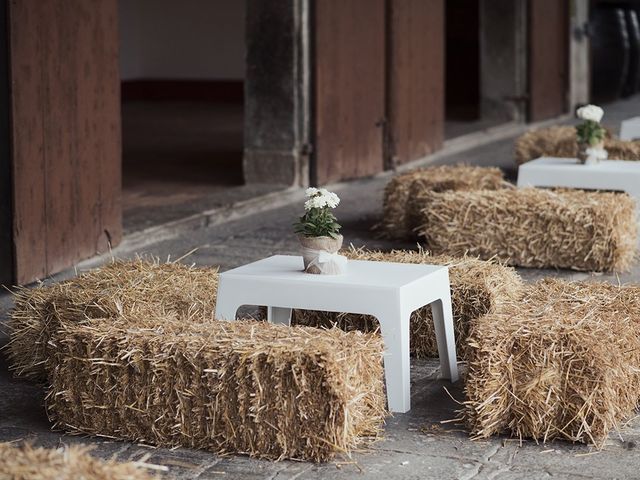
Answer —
445 336
279 315
395 334
226 310
227 300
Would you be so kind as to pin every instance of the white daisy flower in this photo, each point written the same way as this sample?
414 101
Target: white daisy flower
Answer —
311 191
590 112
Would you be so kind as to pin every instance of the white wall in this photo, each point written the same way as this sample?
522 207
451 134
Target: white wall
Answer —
182 39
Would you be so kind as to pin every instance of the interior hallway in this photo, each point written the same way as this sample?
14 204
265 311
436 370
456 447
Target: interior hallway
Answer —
179 159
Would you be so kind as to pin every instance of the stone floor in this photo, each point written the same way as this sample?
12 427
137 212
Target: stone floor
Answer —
181 158
415 445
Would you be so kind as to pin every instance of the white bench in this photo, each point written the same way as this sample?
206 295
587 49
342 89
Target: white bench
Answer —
388 291
616 175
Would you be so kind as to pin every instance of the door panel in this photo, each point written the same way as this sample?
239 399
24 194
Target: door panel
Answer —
349 81
6 202
415 92
548 58
65 132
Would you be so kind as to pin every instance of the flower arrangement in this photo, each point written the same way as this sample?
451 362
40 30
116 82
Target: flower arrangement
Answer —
590 134
319 233
318 220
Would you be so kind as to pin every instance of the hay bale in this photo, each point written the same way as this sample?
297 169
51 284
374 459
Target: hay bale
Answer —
397 221
621 149
249 387
477 288
118 288
563 362
591 231
25 462
556 141
560 141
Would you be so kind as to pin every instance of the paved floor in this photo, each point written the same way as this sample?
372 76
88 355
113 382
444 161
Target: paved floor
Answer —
415 445
179 159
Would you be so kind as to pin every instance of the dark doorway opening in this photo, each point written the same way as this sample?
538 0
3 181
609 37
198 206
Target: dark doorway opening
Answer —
462 66
462 60
182 72
485 67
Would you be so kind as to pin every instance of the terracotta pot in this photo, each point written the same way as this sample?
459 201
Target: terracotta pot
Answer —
582 150
311 246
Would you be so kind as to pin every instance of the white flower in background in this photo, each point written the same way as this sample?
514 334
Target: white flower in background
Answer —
590 112
331 198
321 198
314 202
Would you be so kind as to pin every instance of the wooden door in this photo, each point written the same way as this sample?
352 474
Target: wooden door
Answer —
348 61
548 58
415 79
65 109
6 211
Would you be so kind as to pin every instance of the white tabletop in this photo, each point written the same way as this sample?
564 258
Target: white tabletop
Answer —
571 164
287 268
630 129
614 175
632 120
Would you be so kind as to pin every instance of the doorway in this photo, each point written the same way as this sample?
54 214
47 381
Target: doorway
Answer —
486 64
182 70
462 66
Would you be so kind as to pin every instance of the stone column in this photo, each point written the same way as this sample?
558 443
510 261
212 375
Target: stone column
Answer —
503 59
579 45
276 93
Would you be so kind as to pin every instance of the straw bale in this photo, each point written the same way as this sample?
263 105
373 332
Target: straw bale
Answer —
556 141
248 387
397 220
25 462
560 141
563 362
477 288
143 286
580 230
622 149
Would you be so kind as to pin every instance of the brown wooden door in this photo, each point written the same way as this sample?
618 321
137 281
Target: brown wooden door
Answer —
348 62
548 58
6 201
415 79
65 109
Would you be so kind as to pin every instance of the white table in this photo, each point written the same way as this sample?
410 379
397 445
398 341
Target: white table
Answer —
388 291
618 175
630 129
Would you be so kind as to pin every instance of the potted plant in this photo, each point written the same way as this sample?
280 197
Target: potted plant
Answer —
590 135
319 233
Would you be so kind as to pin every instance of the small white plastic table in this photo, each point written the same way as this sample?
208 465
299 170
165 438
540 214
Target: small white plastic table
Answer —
619 175
630 129
388 291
